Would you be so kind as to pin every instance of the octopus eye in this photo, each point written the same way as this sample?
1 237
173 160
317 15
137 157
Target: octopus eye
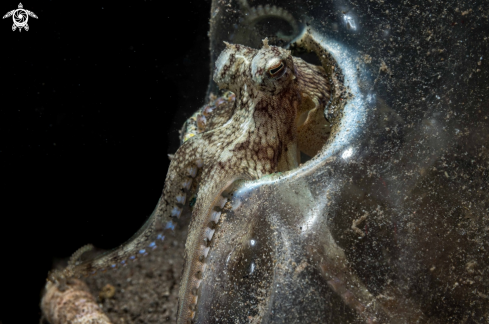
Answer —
276 69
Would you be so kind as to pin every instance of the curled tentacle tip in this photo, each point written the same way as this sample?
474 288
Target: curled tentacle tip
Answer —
75 257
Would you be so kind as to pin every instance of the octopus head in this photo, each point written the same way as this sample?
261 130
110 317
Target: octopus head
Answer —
272 69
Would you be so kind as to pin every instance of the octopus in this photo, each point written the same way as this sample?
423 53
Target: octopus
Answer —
372 229
272 112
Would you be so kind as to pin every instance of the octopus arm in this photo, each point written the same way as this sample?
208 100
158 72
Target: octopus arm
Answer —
220 115
209 204
114 258
178 186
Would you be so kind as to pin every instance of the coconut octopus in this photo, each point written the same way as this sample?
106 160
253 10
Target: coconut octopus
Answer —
274 111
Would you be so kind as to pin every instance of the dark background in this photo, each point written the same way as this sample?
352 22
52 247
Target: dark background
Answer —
92 98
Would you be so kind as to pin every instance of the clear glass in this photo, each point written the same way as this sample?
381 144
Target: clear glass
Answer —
390 221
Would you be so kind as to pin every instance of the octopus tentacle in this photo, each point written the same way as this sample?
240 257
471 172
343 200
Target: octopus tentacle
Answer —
251 136
112 259
178 186
209 205
221 112
210 116
78 253
260 138
180 179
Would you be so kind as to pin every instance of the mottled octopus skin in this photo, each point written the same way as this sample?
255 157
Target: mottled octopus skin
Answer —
259 139
279 104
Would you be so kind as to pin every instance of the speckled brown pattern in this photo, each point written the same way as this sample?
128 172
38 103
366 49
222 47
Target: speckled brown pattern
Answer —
260 138
278 98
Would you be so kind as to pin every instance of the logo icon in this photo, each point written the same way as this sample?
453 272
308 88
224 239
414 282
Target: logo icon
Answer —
20 17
